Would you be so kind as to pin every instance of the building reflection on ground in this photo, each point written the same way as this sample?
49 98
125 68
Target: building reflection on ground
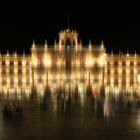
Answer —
67 98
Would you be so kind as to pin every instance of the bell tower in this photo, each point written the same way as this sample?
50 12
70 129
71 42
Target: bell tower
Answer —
68 40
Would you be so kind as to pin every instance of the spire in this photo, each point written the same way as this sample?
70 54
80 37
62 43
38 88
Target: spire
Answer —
90 45
127 53
46 45
15 54
55 43
102 44
80 44
7 53
33 44
135 53
24 53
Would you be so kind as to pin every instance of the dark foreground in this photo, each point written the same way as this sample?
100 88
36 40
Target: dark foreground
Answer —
71 116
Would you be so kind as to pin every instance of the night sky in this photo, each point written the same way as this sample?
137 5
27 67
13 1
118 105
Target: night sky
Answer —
116 23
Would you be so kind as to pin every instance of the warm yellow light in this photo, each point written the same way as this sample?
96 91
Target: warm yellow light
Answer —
127 62
8 80
112 71
59 62
7 70
23 62
127 71
89 61
119 79
15 62
15 80
77 62
139 78
135 71
15 70
30 80
35 62
112 80
119 70
24 70
127 79
47 61
7 62
24 79
101 61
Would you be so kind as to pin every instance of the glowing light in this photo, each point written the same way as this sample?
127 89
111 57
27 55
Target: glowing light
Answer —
127 71
119 70
24 70
139 78
101 61
59 62
24 79
15 70
28 91
106 109
127 62
112 79
7 70
116 90
47 66
94 92
47 61
7 62
15 62
8 80
23 62
16 80
135 71
77 62
35 62
89 61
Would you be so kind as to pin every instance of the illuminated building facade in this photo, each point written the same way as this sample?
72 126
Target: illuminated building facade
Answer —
69 64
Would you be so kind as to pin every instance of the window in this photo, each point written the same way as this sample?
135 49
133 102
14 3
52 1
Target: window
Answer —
19 63
3 62
131 63
138 63
11 62
123 63
108 71
116 63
